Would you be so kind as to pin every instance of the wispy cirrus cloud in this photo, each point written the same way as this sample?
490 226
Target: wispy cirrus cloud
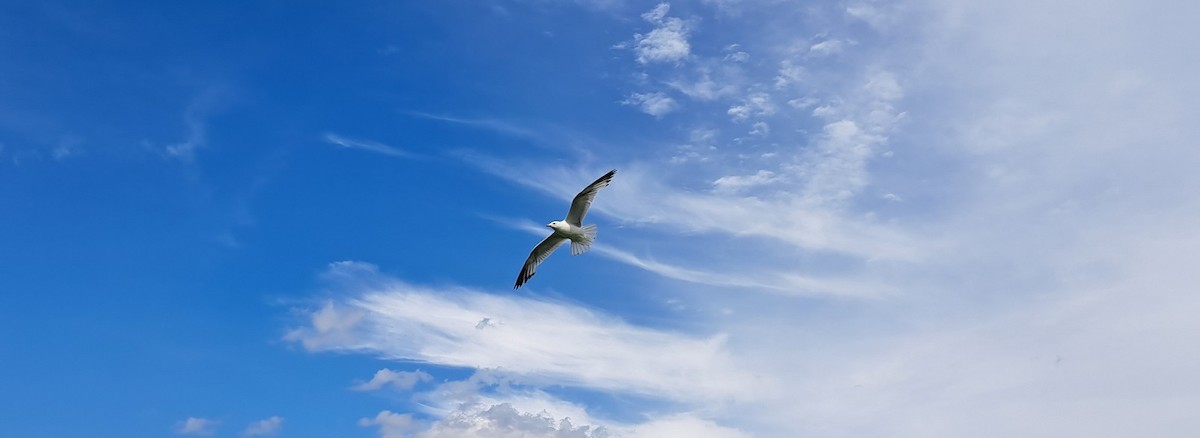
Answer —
365 145
195 119
537 340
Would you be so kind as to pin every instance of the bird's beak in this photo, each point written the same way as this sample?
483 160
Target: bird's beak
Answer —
548 226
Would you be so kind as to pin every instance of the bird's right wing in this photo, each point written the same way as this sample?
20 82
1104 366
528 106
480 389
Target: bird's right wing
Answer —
539 253
579 205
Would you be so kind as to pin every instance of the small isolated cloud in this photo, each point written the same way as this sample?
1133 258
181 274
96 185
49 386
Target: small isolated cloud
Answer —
761 129
827 47
757 104
197 426
657 104
366 145
733 52
391 424
789 74
399 380
738 183
802 103
267 427
667 42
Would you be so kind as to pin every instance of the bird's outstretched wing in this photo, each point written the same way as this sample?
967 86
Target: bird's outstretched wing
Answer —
579 206
539 253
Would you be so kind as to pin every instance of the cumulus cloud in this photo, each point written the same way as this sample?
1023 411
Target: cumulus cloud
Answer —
399 380
267 427
504 421
657 104
789 74
391 424
197 426
755 105
668 42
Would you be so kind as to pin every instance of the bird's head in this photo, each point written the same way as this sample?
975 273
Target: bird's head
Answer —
555 225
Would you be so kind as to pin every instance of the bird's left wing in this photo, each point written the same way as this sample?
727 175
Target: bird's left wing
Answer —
539 253
579 206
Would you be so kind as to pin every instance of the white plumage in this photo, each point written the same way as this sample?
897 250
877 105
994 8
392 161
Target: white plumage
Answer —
569 229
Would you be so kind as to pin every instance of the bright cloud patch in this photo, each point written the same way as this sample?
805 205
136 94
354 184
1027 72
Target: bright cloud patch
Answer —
390 424
737 183
539 340
668 42
197 426
267 427
503 421
656 104
399 380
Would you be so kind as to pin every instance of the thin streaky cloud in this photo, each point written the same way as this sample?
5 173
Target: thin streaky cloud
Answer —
783 282
493 125
539 340
366 145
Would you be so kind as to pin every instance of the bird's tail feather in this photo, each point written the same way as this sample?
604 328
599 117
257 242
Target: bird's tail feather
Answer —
580 246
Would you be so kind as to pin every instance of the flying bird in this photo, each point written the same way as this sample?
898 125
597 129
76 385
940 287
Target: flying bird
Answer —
571 228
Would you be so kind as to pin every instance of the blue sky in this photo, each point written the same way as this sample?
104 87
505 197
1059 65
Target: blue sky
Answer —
850 218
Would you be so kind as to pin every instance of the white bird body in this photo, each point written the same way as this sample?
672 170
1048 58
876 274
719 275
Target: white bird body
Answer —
581 237
569 229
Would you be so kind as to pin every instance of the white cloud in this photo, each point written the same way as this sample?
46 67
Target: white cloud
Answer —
391 424
197 426
643 196
755 105
761 129
734 53
738 183
534 339
827 47
683 426
504 421
657 14
399 380
267 427
704 87
668 42
789 74
366 145
656 104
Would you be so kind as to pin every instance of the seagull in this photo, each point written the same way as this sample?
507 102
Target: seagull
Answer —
571 228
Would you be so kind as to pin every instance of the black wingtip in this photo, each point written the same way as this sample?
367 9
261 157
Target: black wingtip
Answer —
521 280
